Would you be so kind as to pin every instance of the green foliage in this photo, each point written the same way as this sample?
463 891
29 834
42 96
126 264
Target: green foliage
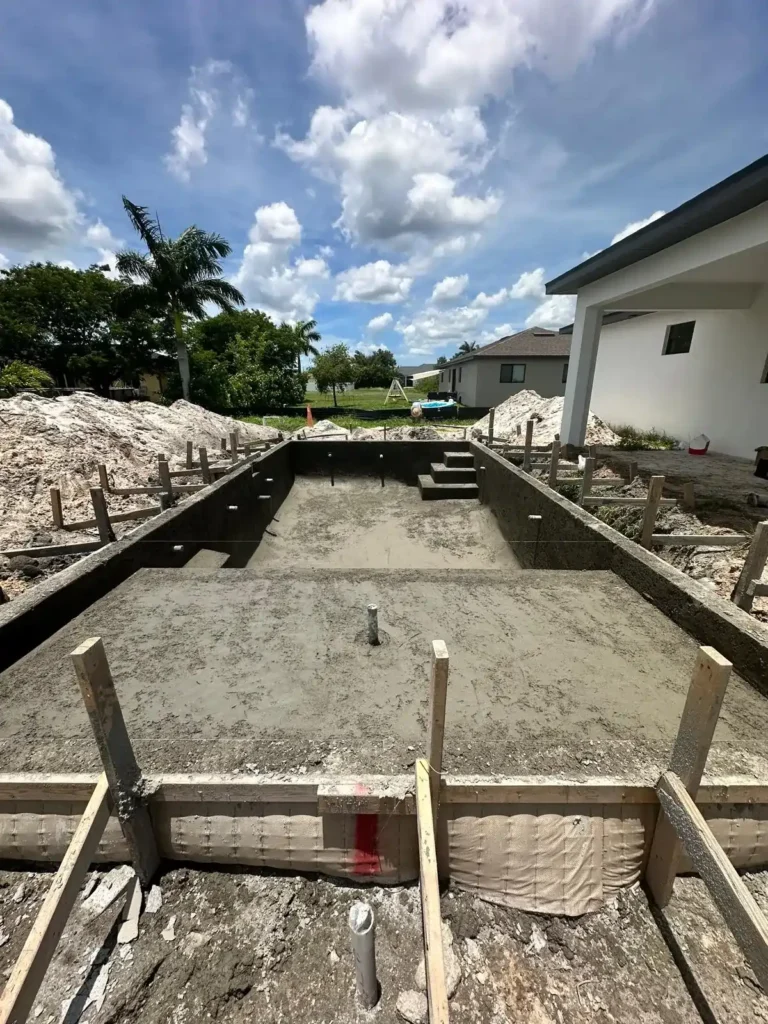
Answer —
20 375
441 361
175 278
64 321
333 369
632 439
305 335
427 384
376 370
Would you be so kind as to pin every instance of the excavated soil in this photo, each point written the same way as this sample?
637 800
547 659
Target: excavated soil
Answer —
274 948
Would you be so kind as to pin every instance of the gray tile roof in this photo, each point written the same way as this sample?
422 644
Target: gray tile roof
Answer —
535 341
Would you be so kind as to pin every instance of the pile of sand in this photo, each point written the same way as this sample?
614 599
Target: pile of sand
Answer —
547 412
323 430
409 433
59 442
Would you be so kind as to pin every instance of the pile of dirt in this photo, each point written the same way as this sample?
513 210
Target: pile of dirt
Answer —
511 416
408 433
323 430
59 442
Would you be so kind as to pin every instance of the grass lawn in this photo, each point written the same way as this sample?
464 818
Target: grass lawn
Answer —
362 398
289 423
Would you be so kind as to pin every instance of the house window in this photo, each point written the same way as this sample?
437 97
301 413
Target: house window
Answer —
678 339
459 375
565 372
512 373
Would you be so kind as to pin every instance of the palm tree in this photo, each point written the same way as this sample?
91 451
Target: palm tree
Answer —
175 277
468 346
306 334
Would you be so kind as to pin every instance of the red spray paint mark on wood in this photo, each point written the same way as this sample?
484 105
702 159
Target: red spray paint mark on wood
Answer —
365 859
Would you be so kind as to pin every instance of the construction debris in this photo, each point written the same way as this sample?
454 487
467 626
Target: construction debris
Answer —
169 933
129 929
547 413
154 900
111 886
323 430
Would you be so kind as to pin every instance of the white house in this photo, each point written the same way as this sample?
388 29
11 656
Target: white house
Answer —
697 362
536 359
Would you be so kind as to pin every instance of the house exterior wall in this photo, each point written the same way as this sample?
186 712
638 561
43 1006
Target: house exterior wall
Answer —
480 384
715 389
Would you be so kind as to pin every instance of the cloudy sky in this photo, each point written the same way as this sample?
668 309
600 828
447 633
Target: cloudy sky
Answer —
408 172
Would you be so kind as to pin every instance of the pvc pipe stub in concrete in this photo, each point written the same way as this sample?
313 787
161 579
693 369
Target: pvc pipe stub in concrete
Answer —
362 928
373 625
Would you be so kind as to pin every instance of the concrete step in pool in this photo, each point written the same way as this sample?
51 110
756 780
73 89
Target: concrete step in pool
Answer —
431 491
465 460
443 474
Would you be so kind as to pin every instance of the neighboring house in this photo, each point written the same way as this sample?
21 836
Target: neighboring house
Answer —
406 372
153 386
535 359
697 362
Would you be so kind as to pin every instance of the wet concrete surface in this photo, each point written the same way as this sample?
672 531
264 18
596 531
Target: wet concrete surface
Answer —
359 524
216 669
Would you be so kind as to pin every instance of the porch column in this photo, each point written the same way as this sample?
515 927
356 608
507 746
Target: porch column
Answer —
581 372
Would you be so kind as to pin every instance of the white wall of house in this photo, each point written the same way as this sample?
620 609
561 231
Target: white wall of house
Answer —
715 389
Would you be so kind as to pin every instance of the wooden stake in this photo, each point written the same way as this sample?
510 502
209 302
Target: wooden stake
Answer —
190 455
204 467
233 445
655 487
103 479
437 997
28 973
224 444
586 480
553 463
106 533
164 473
689 756
56 510
632 471
528 446
438 691
753 567
491 418
733 898
117 756
689 497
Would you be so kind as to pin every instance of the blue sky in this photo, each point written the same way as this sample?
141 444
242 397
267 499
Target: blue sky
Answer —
408 172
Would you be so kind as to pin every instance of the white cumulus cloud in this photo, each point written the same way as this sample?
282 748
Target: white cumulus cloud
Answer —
36 207
483 301
530 285
449 288
431 330
555 311
267 277
380 281
380 323
630 229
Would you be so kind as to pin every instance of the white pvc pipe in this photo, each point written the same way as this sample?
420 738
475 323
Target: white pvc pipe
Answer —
373 625
362 929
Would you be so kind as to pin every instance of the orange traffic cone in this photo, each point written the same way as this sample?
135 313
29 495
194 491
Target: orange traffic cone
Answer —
310 421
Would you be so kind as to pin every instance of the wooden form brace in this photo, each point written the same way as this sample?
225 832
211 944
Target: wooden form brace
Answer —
733 898
703 540
438 693
689 757
117 756
28 973
434 964
754 564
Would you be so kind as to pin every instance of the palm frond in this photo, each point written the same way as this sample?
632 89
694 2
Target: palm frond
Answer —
222 293
133 264
143 223
136 297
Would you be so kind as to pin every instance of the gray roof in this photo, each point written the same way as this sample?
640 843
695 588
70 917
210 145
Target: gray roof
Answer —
421 368
740 192
535 341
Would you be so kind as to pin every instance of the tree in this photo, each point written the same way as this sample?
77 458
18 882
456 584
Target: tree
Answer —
376 370
441 360
333 369
306 335
467 346
176 277
21 375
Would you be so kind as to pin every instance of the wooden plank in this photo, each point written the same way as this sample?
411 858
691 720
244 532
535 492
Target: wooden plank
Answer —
212 788
586 480
438 693
668 540
529 424
190 455
733 898
491 419
165 476
56 510
437 997
116 517
175 473
104 478
233 445
757 589
599 499
106 533
28 973
689 496
608 481
207 559
117 756
374 796
553 463
753 567
655 487
137 490
48 550
689 756
632 466
204 467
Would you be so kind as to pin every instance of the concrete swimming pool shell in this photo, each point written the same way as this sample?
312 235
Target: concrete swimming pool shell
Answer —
269 733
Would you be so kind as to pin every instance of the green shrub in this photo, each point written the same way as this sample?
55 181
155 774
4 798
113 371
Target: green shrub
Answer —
22 375
632 439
